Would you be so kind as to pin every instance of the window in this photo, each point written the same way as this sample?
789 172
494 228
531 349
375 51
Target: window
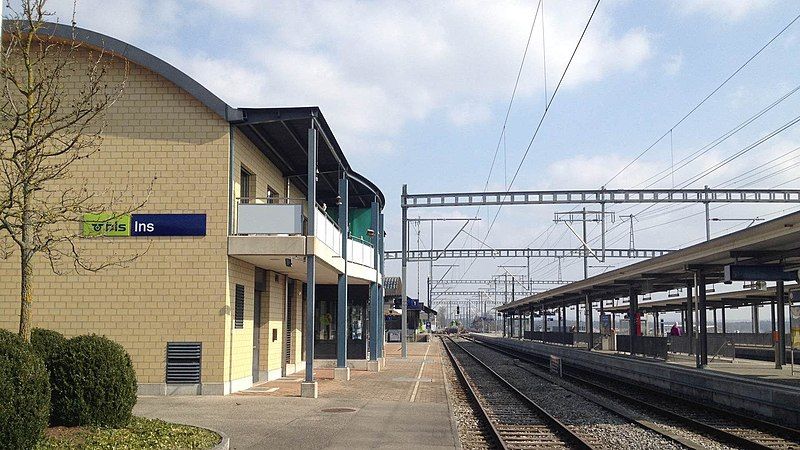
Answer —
245 183
272 195
238 309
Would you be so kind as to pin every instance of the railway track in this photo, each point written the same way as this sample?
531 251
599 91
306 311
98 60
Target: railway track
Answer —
516 421
724 426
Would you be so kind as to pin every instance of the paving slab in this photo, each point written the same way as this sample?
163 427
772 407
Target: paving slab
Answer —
405 405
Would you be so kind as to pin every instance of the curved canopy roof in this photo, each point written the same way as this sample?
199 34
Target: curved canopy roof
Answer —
280 133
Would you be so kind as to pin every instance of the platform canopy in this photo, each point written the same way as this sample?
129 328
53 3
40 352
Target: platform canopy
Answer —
772 244
282 135
731 299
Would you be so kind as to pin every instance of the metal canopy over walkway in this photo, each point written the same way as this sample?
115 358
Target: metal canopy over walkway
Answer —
768 252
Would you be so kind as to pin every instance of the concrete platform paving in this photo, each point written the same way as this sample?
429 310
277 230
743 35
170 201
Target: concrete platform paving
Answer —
405 405
748 368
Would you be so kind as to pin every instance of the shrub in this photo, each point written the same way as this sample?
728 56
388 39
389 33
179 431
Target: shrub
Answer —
6 335
93 383
24 394
46 343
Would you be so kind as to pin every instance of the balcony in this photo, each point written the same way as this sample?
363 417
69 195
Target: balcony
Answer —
284 218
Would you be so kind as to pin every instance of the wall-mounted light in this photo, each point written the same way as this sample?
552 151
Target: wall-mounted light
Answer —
370 232
288 262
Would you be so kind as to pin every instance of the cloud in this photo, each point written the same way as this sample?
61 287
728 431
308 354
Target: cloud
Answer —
376 68
124 20
728 10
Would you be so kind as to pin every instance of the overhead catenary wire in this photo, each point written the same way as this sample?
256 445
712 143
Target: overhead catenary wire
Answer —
705 99
544 114
510 104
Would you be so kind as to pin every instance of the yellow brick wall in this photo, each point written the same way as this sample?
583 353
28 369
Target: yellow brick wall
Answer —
246 155
240 344
177 289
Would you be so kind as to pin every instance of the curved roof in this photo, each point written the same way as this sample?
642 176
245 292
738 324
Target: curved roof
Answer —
236 116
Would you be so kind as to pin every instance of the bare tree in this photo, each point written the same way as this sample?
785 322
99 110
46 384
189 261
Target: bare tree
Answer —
55 94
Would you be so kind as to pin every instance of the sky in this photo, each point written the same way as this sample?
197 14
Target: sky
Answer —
417 92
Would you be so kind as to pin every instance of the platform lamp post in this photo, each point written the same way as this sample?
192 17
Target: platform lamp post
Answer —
309 387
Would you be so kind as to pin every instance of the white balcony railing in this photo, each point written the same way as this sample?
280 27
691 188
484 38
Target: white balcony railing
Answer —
271 216
327 231
360 253
280 216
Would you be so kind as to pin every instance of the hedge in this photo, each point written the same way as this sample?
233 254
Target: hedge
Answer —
93 383
47 343
24 393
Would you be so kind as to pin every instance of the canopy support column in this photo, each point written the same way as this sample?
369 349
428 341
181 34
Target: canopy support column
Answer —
701 286
690 316
633 310
779 293
309 387
342 372
589 322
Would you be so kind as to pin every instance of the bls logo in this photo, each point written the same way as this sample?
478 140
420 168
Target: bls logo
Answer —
143 227
109 227
106 224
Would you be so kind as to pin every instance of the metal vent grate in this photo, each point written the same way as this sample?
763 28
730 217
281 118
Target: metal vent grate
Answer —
183 362
238 310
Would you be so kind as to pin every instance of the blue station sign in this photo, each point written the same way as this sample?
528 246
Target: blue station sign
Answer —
168 224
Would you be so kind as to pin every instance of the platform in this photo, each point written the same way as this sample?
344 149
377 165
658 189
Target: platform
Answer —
404 403
747 368
745 387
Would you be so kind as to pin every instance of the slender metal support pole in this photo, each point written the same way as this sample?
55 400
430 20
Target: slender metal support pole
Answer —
430 270
585 248
689 329
560 325
543 313
701 286
755 318
505 287
341 306
404 278
589 322
633 309
603 231
381 293
577 317
377 301
530 282
714 312
311 287
779 293
724 329
708 217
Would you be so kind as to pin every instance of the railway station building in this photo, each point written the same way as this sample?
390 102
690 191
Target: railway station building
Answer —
251 215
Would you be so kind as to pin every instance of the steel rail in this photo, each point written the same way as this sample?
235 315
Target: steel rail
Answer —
573 438
461 375
717 432
658 429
